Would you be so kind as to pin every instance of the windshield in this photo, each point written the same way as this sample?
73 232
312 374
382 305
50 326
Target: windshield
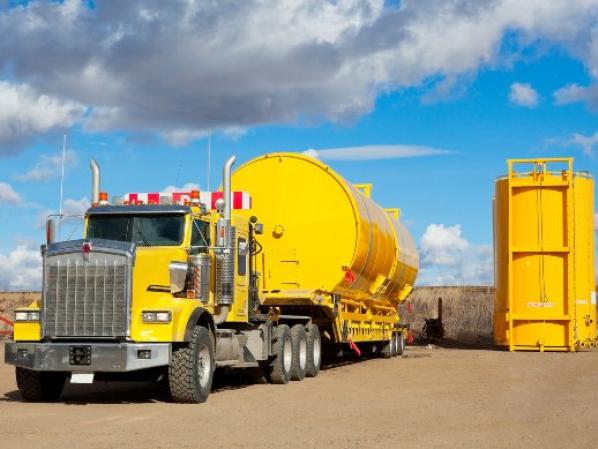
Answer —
144 230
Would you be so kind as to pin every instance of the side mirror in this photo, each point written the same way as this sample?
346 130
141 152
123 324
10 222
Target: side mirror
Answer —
258 228
50 230
178 276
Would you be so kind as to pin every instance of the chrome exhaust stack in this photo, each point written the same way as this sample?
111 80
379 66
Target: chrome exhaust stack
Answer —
225 259
95 182
227 188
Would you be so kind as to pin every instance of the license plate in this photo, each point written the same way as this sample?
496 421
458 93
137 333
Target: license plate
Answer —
81 378
80 355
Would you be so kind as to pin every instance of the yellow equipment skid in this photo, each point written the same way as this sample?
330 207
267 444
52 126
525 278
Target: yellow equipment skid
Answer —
544 257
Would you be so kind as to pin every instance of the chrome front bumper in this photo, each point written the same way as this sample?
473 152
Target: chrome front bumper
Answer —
104 357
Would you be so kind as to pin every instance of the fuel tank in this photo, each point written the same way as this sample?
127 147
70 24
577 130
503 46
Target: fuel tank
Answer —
322 233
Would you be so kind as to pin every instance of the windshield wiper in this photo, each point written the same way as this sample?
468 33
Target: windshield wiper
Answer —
141 234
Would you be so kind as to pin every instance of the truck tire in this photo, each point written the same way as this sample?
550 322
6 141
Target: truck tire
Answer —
314 350
394 345
191 369
279 369
40 386
299 345
390 348
400 343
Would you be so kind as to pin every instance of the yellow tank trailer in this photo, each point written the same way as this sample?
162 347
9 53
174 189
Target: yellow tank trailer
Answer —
544 257
173 285
328 247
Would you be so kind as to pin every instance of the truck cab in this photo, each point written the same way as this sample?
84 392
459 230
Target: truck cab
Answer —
162 287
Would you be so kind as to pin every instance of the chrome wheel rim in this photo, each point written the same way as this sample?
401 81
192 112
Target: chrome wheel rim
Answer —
302 353
317 352
204 366
287 355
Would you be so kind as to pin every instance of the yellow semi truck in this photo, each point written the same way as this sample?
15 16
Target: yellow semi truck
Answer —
172 286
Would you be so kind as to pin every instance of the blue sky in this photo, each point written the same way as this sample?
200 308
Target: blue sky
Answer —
502 91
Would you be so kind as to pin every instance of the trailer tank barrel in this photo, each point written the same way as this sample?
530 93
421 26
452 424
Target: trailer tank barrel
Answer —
322 234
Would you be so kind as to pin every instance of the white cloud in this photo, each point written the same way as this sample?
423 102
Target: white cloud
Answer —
72 211
585 142
213 66
21 269
184 188
25 113
447 258
8 195
523 94
75 208
49 166
181 137
373 152
571 93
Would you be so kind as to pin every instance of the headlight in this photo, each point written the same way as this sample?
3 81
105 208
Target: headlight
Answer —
27 315
156 317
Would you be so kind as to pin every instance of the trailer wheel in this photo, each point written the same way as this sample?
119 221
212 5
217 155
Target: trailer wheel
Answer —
400 345
39 386
314 350
390 348
191 369
299 344
279 370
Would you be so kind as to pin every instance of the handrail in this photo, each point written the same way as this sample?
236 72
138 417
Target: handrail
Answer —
540 165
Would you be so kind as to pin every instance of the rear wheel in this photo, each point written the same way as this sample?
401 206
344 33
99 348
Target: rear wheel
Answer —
299 344
191 370
279 370
314 351
40 386
400 344
390 348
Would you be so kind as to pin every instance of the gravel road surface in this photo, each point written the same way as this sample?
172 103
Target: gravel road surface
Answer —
432 398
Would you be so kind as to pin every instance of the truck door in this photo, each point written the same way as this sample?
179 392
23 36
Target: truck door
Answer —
241 278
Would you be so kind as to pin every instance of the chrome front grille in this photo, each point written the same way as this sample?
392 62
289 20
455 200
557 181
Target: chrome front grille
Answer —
86 298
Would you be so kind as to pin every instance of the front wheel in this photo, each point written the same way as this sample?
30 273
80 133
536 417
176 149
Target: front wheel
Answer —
191 369
40 386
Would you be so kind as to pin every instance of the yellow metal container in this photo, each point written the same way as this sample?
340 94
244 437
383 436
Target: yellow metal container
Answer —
322 234
544 257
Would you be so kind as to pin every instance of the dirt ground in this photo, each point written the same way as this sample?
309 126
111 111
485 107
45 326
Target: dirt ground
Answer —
432 398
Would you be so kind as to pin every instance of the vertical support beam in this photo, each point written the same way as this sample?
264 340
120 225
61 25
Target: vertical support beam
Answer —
510 261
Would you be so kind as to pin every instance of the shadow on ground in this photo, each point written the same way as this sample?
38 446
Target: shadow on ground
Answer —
101 392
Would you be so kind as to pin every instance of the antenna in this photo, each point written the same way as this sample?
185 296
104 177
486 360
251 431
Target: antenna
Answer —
61 184
209 157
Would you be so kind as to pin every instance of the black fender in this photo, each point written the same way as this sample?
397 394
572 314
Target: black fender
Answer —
202 317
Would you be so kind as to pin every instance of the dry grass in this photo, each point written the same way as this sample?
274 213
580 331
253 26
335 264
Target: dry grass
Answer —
12 300
467 312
